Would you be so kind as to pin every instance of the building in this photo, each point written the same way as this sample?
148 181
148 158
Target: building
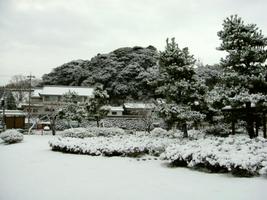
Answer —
14 118
138 109
114 111
44 99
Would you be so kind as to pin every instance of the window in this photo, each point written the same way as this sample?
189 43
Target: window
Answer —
114 113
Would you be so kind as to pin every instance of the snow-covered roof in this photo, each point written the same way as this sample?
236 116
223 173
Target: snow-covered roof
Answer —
139 105
36 92
116 108
60 90
112 108
227 107
9 113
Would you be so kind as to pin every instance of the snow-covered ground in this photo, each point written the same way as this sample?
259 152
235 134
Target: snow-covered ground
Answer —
31 171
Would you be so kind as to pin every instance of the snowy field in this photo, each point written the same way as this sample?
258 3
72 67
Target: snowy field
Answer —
31 171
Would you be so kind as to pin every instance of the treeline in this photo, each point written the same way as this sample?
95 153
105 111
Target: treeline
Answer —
185 91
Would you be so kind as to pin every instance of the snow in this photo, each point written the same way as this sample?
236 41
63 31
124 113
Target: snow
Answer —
30 171
10 113
231 153
61 90
139 105
11 136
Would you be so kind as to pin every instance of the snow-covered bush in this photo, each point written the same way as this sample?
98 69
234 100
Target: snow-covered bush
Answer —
237 154
158 132
124 145
218 130
91 132
11 136
125 123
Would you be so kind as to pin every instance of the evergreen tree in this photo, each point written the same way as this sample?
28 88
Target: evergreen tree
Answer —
71 109
183 95
10 101
244 78
95 106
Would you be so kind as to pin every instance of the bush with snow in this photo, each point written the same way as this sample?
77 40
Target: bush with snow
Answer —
158 132
11 136
237 154
218 130
123 145
92 132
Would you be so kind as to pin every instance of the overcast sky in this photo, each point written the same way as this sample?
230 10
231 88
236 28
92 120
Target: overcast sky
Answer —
38 35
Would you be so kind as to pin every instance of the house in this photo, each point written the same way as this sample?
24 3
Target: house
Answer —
14 118
44 99
138 108
114 111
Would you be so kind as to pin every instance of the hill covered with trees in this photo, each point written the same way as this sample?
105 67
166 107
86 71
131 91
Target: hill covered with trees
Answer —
125 73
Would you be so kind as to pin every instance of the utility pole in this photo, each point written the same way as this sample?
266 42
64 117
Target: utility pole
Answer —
30 94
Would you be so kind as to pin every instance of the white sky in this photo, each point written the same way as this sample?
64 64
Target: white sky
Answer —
38 35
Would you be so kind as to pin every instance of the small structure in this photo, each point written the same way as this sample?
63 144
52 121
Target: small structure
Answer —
14 119
255 115
115 111
138 109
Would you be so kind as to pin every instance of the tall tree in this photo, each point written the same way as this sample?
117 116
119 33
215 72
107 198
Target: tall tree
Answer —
71 109
95 106
244 79
10 101
183 95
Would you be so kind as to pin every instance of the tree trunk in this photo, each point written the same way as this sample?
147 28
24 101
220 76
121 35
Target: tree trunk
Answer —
264 125
97 121
257 127
53 126
185 130
249 120
233 124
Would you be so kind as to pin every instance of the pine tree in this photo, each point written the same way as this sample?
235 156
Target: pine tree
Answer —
71 109
244 79
178 86
10 101
95 105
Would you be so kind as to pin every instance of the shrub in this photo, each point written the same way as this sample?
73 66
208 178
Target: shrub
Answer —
237 154
158 132
11 136
218 130
124 145
91 132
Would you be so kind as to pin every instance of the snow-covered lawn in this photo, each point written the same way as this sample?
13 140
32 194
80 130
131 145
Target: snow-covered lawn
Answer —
31 171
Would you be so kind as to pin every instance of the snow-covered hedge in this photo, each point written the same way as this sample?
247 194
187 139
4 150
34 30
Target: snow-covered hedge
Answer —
124 145
11 136
218 130
92 132
125 123
237 154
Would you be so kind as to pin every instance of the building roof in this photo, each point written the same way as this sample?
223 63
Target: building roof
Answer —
112 108
10 113
60 90
116 108
139 105
36 92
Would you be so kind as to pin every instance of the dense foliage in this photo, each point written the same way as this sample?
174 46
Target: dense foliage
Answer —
183 95
244 70
124 73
